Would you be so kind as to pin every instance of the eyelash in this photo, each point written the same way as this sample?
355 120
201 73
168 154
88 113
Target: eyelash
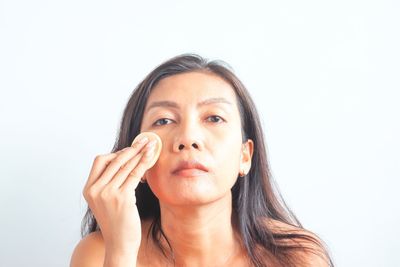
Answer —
215 116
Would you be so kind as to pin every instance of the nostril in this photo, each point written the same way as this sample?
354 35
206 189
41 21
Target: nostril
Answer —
194 145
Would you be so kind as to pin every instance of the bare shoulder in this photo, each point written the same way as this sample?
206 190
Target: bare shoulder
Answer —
313 253
90 251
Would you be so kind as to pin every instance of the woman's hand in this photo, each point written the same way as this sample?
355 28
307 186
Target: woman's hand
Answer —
110 193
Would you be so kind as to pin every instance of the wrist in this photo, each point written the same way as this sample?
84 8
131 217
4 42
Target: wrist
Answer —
120 259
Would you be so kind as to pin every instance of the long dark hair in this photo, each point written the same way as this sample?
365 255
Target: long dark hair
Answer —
255 198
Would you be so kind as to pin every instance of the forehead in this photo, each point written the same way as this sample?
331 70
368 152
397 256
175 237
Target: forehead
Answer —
192 88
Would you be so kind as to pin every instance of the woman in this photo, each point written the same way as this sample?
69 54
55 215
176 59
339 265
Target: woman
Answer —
226 214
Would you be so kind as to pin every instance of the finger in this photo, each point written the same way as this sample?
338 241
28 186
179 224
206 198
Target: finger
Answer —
117 162
125 169
134 176
128 167
100 163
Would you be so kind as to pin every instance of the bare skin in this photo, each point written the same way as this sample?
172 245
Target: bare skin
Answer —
196 211
203 124
90 252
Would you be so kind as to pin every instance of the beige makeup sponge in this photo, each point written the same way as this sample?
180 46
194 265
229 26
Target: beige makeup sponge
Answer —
157 149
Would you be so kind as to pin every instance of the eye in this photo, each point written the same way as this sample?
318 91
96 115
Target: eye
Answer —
216 118
161 120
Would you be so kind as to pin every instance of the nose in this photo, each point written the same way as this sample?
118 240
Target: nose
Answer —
188 137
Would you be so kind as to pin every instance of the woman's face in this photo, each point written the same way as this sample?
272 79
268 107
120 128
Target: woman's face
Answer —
197 118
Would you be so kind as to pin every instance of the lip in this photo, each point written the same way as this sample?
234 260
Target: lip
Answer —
190 168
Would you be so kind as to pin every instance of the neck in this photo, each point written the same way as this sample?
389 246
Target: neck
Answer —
200 235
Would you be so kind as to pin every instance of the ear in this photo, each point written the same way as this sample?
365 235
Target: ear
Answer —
246 155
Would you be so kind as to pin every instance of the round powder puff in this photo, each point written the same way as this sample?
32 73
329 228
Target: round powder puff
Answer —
157 149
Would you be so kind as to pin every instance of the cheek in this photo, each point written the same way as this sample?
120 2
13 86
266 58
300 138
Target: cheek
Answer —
158 168
159 173
228 146
227 160
227 166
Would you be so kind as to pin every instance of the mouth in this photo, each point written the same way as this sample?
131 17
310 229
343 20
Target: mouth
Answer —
189 172
189 169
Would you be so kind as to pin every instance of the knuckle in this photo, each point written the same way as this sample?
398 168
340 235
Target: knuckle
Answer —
99 160
125 166
88 197
104 195
107 193
89 193
122 150
137 172
118 161
102 157
142 167
136 145
134 173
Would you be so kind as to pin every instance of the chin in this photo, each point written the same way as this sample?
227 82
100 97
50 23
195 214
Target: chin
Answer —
193 198
187 192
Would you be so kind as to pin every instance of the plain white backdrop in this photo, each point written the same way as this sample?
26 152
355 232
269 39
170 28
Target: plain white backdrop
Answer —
324 76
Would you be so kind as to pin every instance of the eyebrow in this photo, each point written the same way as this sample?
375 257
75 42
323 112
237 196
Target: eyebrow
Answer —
171 104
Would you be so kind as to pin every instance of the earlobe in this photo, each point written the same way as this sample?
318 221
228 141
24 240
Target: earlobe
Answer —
246 156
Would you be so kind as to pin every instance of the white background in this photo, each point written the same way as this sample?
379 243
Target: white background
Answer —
324 76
